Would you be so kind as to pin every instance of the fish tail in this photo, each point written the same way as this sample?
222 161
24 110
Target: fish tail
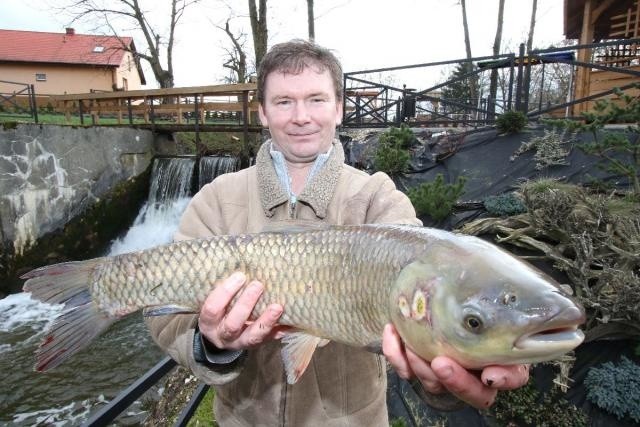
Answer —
81 320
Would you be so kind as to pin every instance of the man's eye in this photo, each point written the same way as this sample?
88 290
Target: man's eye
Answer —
283 102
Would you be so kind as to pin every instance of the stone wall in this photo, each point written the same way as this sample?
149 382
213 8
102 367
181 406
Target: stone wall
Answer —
49 174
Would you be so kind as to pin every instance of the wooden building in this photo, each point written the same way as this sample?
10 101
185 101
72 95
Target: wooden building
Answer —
65 63
591 21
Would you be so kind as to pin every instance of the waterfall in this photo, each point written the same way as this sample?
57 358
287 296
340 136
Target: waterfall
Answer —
158 219
118 357
212 166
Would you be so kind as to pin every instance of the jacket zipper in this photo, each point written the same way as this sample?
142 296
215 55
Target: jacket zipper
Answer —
292 206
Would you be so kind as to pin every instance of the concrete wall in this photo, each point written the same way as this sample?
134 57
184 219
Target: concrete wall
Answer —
49 174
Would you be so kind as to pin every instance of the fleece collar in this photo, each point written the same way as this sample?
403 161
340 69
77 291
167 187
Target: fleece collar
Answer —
317 192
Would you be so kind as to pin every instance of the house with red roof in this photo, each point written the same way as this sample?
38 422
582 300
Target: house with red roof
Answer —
67 63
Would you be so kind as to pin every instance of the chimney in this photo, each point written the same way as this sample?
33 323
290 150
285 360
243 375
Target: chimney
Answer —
70 31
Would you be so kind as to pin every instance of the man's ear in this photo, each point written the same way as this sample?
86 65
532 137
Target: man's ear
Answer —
339 109
263 117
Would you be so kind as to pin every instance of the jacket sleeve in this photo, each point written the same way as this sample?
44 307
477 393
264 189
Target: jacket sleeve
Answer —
387 204
174 333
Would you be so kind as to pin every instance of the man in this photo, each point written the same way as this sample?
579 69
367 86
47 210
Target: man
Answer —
299 176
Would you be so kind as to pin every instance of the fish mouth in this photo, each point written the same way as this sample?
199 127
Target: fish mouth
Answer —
559 333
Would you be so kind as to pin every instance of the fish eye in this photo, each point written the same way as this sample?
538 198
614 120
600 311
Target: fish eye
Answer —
473 323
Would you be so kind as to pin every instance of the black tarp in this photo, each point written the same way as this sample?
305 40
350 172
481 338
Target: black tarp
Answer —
485 159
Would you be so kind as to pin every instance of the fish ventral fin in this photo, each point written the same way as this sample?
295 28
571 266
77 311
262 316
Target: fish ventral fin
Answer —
163 310
297 352
80 322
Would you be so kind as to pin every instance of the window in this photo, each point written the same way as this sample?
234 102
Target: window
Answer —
98 49
41 77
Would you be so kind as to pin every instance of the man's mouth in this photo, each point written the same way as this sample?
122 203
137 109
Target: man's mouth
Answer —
302 134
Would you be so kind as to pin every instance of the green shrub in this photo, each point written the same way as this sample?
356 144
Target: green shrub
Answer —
392 156
508 204
615 388
436 198
403 136
511 122
618 149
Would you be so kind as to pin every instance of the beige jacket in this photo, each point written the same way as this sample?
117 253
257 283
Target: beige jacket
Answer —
342 386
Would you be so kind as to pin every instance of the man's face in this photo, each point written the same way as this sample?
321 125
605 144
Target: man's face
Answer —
302 112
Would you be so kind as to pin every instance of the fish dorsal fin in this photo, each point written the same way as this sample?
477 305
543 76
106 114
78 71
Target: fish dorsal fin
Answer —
294 226
297 352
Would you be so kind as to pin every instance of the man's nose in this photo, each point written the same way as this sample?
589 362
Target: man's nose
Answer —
301 113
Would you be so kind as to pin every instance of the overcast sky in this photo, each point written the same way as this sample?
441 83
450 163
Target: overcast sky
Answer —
365 34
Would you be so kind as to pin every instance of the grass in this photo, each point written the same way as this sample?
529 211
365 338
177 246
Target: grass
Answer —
204 415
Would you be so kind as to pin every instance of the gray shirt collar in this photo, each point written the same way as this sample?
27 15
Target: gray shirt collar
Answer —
280 166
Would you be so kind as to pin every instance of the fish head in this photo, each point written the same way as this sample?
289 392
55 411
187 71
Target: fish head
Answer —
470 300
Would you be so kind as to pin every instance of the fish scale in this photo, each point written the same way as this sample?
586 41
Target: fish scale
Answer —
445 293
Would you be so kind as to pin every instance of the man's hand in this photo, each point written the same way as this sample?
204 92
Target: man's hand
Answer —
229 326
444 374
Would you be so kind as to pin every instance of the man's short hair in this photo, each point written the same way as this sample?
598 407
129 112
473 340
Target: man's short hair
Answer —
293 57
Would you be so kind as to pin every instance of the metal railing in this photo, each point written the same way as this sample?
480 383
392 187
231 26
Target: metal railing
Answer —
22 100
126 397
371 103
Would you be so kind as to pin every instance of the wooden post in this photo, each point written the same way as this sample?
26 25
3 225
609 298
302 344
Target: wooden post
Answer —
245 114
590 15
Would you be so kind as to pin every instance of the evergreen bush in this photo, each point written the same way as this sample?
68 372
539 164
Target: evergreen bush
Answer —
511 122
436 198
508 204
619 149
615 388
392 156
403 135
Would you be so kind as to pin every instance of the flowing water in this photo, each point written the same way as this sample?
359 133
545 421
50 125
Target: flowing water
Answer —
67 395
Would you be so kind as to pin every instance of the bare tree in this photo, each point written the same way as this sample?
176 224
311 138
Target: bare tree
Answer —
467 45
236 57
311 20
465 26
258 17
493 81
104 12
532 25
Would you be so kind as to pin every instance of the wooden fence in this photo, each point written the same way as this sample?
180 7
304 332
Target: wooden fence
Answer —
173 104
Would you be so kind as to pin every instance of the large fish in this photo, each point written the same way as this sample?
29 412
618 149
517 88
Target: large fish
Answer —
447 294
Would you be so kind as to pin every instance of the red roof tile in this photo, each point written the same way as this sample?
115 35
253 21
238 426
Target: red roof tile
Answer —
62 48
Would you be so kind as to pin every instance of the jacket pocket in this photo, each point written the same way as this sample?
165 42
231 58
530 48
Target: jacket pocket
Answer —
348 379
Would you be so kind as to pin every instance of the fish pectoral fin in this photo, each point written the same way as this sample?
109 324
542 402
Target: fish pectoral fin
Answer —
163 310
297 352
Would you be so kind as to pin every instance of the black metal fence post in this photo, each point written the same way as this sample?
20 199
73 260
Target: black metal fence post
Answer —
512 63
519 79
196 111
